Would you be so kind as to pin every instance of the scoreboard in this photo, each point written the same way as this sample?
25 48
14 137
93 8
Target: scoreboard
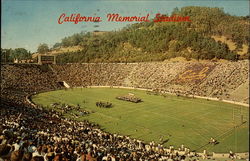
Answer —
46 59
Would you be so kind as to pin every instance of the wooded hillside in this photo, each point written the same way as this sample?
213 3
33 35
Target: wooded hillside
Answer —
157 41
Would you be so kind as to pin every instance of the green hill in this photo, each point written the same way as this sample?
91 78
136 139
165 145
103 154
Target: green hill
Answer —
157 41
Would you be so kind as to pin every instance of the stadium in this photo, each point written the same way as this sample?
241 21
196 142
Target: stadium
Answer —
174 87
184 105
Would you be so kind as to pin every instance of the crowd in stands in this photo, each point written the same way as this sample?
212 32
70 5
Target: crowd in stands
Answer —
33 133
29 133
218 81
28 78
81 75
19 80
225 78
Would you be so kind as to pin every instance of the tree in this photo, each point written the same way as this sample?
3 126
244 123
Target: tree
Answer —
43 48
21 54
9 55
57 45
175 11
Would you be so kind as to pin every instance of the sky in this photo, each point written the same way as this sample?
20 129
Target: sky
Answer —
28 23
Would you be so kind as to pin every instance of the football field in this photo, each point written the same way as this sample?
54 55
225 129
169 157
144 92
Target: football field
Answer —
168 119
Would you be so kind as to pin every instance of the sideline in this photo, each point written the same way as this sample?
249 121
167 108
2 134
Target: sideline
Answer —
28 99
191 96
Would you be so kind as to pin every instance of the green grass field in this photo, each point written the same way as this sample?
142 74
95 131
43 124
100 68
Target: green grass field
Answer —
175 120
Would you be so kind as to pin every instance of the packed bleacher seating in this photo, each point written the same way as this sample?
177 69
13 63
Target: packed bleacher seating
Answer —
33 133
36 133
19 80
211 79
